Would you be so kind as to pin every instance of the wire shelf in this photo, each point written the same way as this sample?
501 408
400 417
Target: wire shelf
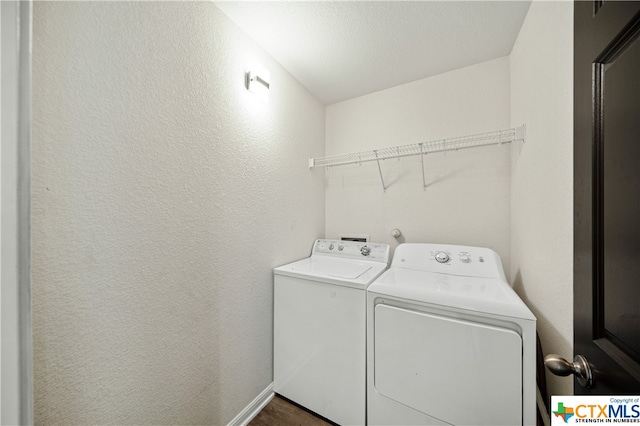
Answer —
440 145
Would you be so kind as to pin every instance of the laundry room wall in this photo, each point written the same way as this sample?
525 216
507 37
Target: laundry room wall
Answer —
542 176
466 200
163 195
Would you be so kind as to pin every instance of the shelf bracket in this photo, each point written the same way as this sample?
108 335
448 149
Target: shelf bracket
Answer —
424 183
520 133
384 188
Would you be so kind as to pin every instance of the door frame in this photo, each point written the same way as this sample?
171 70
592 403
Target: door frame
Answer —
16 395
588 275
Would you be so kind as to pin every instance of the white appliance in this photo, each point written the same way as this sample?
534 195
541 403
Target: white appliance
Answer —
320 328
449 341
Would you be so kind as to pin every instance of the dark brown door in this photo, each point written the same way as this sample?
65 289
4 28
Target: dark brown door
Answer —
607 194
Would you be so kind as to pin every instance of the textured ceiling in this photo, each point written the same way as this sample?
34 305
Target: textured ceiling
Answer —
343 49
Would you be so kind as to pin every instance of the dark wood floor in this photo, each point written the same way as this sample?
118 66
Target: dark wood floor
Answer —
280 412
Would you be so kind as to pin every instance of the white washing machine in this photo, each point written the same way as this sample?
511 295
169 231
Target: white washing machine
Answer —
449 341
320 328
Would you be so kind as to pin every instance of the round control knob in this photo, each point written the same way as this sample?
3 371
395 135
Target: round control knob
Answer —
340 247
331 246
442 257
465 258
365 251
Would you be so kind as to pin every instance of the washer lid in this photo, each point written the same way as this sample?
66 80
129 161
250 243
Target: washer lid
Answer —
485 295
351 273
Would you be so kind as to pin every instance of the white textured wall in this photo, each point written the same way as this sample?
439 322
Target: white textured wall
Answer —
542 176
163 195
467 199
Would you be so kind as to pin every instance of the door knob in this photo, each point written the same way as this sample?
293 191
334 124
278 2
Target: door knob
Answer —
579 367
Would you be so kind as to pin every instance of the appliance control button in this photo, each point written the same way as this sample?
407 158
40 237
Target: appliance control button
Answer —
464 258
365 251
442 257
340 247
331 246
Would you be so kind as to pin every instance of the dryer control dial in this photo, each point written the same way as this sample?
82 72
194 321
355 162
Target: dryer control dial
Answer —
365 251
442 257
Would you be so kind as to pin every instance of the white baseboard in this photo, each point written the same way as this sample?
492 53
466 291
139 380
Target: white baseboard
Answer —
254 407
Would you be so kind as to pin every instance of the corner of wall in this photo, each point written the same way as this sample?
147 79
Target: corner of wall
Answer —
542 175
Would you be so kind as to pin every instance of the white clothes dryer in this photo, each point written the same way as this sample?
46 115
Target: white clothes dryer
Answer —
448 341
320 328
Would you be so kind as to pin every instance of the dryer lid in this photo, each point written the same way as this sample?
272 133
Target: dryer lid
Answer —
482 295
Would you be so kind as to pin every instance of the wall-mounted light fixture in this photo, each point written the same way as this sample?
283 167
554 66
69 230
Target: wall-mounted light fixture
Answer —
257 82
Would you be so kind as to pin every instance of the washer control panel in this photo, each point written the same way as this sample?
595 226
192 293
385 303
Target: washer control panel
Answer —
378 252
449 259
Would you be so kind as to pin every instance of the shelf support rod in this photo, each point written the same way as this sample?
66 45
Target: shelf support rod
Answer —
384 188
